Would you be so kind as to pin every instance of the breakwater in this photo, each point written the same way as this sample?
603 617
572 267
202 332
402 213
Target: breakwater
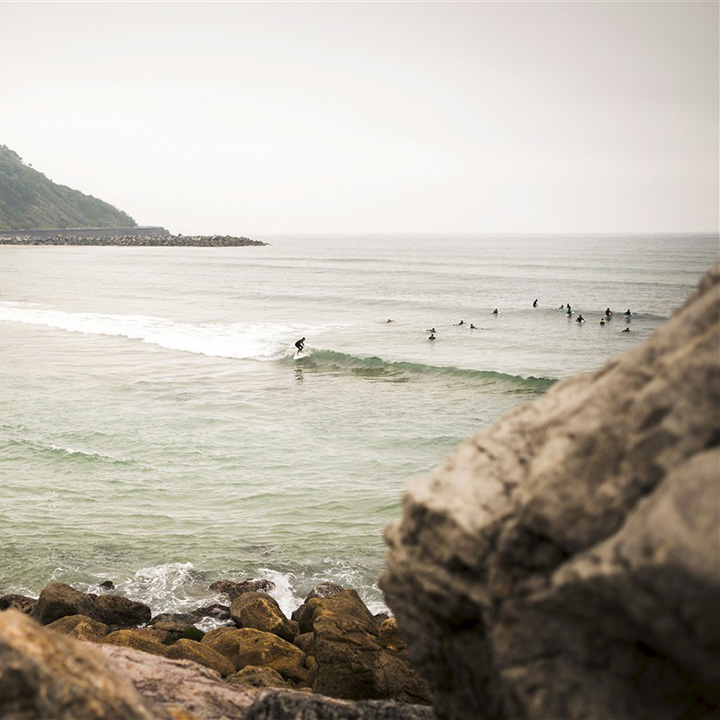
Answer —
132 236
132 240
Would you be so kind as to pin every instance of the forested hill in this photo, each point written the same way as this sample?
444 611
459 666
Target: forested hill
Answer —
30 201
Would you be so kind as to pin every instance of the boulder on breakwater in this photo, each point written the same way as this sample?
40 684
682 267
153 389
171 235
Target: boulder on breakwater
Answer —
565 563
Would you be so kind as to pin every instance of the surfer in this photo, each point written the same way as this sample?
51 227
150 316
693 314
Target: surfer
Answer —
495 311
626 330
608 313
472 327
389 320
535 303
462 322
300 344
602 321
628 313
432 336
580 319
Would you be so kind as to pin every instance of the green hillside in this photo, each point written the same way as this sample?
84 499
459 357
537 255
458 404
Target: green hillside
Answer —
29 201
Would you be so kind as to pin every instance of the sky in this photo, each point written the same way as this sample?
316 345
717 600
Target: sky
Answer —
373 117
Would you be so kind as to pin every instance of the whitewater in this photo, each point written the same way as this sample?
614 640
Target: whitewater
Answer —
157 432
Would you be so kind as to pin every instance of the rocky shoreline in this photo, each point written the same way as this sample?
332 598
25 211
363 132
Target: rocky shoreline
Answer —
152 240
331 648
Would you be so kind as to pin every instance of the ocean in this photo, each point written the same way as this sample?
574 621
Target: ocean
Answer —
157 432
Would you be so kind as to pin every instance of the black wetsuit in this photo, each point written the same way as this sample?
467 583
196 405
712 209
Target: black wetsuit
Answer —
300 344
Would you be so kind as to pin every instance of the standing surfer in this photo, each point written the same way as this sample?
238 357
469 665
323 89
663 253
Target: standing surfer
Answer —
300 344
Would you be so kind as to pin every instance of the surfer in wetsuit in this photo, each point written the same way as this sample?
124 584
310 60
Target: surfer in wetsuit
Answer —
300 344
462 322
472 327
495 311
580 319
432 336
535 303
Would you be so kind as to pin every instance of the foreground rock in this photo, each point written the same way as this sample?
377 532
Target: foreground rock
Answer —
565 563
185 690
45 675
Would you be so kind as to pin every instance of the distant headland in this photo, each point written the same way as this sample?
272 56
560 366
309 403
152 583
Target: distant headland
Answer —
36 211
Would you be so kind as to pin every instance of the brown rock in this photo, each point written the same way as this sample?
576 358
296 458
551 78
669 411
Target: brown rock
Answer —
247 646
565 563
119 610
79 627
46 675
185 649
18 602
145 639
260 611
259 677
351 663
59 600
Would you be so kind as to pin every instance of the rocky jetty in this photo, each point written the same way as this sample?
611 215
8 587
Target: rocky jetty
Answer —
132 240
69 655
566 562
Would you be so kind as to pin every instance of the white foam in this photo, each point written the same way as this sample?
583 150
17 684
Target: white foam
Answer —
256 341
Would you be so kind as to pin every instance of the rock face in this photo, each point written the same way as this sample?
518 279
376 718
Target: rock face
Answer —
565 563
45 675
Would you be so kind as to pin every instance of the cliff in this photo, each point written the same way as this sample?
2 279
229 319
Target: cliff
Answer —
30 201
566 562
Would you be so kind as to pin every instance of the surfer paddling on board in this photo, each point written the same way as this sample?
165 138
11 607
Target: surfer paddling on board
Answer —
300 344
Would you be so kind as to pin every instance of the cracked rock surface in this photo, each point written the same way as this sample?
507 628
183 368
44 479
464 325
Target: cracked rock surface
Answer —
565 563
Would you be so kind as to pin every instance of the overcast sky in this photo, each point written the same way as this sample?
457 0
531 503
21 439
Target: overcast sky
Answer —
478 117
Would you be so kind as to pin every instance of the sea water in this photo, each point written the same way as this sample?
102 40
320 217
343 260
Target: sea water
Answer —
157 432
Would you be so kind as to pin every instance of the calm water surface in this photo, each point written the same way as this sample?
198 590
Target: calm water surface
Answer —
156 431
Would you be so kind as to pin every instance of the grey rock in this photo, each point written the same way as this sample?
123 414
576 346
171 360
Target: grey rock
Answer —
180 685
284 705
565 563
234 589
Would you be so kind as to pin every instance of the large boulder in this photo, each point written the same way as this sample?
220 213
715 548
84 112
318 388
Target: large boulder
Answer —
260 611
59 600
46 675
565 563
247 646
351 662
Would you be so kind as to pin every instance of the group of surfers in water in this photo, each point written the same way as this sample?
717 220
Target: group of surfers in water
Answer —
569 311
300 344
